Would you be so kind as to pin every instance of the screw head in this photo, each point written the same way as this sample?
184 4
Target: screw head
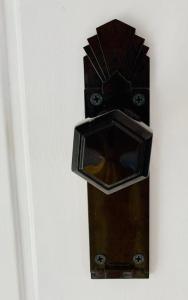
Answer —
100 259
139 99
96 99
93 275
138 259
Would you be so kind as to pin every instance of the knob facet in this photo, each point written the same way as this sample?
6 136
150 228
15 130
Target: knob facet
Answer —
112 151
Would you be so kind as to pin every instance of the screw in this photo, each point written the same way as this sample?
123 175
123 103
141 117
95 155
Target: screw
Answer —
96 99
93 275
100 259
139 99
138 259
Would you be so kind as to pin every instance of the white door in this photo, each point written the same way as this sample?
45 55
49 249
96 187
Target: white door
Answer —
44 244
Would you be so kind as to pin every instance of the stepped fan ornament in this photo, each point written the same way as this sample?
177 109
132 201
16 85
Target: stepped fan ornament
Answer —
112 148
116 71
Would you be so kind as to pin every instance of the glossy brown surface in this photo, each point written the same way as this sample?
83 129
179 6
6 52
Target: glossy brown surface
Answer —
118 223
112 151
119 231
111 155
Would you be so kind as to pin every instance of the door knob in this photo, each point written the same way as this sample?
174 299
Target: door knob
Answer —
111 150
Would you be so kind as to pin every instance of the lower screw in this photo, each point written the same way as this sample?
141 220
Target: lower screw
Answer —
100 259
138 259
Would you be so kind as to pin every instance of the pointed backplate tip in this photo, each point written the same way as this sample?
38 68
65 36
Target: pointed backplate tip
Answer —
116 47
116 23
115 38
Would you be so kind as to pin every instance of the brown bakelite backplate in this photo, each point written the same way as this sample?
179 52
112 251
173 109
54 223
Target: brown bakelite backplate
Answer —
119 232
116 72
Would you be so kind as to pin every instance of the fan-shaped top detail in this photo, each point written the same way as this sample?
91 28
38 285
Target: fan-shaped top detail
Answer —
116 70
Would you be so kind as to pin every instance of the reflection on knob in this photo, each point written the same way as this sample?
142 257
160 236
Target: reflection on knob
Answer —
112 151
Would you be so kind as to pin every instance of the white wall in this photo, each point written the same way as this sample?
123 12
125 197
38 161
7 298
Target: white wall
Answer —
44 91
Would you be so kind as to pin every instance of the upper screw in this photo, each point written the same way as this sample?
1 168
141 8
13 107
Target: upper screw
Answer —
96 99
139 99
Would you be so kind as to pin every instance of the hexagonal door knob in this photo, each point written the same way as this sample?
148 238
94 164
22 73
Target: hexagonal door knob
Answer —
112 151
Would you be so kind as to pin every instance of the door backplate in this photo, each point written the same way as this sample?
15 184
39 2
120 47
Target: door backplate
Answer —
116 70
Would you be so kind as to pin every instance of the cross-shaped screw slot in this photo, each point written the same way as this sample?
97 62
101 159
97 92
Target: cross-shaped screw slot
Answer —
96 99
100 259
138 259
139 99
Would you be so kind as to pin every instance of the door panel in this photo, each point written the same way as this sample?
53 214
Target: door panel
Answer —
44 215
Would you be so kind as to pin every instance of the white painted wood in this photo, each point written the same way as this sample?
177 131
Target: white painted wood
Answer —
13 107
9 285
42 99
